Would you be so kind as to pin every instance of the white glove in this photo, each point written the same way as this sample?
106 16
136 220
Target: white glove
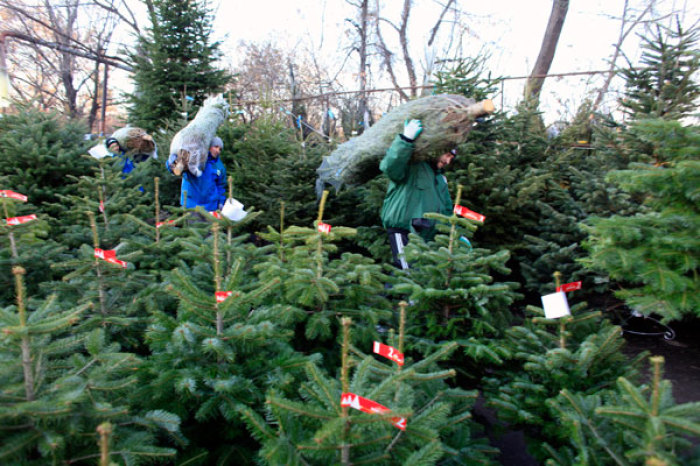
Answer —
411 129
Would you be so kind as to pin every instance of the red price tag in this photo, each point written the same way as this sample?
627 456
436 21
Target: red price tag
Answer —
388 352
102 206
324 228
13 195
569 287
20 220
372 407
470 214
168 222
114 260
109 255
105 254
221 296
216 214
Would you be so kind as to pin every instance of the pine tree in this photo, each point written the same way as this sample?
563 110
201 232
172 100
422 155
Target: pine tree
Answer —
224 346
60 380
320 284
424 415
39 151
631 424
173 63
662 84
579 353
450 282
654 255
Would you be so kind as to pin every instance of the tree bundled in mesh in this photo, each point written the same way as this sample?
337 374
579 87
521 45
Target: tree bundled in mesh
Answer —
191 143
136 142
447 120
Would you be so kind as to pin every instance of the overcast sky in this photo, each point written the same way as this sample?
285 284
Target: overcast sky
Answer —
511 30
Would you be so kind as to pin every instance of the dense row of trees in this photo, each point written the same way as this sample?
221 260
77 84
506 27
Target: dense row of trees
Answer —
215 342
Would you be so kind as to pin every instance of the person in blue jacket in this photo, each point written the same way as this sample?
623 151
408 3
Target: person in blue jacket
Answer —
209 189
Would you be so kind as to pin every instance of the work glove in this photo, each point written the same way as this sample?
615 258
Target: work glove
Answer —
411 129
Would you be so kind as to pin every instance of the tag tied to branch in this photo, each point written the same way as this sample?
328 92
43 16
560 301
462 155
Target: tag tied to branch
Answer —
167 222
109 255
566 287
372 407
222 296
20 220
388 352
555 305
13 195
470 214
324 228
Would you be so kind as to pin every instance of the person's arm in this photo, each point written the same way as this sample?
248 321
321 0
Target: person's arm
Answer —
395 162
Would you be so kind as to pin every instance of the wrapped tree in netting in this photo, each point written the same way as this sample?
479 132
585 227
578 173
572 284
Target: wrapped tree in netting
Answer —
447 120
191 143
136 142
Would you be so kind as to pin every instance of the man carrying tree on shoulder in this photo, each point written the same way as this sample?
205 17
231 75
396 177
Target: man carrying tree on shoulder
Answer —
415 187
209 189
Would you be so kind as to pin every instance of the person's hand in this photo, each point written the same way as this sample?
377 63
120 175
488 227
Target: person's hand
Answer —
411 129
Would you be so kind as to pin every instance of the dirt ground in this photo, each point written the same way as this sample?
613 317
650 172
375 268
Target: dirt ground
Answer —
681 368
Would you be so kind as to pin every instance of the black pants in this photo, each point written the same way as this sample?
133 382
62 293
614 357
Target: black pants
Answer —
398 239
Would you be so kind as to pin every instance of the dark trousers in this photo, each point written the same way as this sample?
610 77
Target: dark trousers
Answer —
398 239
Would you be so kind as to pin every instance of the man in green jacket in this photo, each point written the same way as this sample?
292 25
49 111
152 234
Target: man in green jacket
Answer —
415 187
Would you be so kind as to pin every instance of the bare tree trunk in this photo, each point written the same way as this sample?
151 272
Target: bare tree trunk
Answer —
364 109
534 83
624 32
94 106
403 40
64 29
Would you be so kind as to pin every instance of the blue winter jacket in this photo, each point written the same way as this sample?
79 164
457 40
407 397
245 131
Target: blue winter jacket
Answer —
208 190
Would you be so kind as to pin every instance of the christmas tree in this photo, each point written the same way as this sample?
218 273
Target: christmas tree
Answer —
61 379
630 424
412 416
223 347
654 255
174 63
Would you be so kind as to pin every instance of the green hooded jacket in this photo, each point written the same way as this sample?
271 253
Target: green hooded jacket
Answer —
414 189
